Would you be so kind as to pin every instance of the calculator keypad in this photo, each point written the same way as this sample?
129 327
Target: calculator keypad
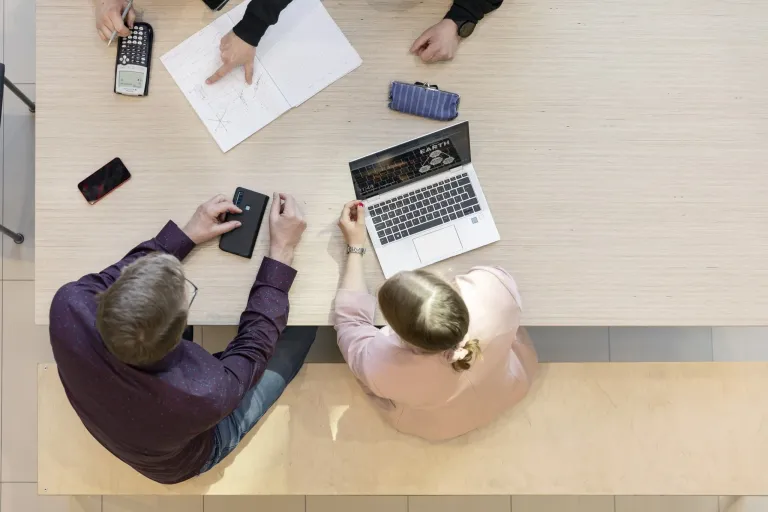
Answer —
134 49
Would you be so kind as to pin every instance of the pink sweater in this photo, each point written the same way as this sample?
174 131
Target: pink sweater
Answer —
421 394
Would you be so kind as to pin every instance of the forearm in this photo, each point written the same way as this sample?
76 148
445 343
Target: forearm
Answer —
261 324
259 16
353 320
471 10
354 276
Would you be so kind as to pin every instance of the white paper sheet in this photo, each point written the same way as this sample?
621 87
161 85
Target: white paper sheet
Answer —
305 51
298 57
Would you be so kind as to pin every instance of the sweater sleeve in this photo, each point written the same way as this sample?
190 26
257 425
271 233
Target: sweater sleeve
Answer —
258 17
353 320
264 319
471 10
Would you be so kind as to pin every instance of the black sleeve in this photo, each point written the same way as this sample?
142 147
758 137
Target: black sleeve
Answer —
471 10
259 15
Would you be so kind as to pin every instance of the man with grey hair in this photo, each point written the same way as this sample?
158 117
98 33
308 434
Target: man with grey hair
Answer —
161 403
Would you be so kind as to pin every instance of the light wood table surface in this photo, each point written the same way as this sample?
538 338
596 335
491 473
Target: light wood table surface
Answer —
622 146
585 428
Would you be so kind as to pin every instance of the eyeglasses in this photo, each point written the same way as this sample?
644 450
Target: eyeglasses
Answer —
191 291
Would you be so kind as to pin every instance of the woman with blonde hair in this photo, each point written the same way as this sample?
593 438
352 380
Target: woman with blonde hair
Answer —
453 355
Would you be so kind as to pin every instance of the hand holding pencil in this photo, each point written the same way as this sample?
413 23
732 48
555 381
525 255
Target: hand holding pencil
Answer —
114 17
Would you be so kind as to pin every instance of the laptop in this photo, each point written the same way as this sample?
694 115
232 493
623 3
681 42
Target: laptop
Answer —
423 200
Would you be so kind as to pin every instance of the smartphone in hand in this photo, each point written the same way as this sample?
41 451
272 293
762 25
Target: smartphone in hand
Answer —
242 240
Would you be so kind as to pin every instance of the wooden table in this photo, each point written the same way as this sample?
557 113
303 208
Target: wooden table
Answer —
585 428
622 146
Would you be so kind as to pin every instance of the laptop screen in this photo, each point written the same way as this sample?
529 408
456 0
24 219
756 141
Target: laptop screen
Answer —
411 161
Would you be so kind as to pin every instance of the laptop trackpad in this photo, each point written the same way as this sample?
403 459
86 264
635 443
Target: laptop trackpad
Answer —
438 245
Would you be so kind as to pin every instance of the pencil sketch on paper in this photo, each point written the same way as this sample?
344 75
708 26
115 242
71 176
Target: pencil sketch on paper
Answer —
237 96
297 58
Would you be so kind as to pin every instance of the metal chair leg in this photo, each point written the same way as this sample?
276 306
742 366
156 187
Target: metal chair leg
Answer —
23 97
16 237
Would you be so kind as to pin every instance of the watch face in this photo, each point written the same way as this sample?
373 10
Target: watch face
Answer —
466 29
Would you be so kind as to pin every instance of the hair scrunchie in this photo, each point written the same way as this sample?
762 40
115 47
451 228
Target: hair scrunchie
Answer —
460 352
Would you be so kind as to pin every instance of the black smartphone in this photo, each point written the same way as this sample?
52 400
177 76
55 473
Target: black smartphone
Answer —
242 240
215 5
104 181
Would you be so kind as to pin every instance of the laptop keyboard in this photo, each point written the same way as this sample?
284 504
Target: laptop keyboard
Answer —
425 208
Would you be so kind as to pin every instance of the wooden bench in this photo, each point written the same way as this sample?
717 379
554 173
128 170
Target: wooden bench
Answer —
597 428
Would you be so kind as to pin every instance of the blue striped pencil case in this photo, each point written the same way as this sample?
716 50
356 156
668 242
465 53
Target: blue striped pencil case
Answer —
423 100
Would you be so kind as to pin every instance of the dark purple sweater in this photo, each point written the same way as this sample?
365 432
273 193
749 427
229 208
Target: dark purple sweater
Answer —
160 420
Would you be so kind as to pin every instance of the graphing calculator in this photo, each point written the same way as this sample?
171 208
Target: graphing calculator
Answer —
134 55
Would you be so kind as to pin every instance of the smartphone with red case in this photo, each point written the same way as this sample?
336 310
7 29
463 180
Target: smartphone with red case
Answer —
99 184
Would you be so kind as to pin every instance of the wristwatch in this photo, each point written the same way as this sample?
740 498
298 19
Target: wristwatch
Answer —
466 28
356 250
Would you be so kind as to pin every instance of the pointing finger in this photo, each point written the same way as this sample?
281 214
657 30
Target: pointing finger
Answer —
249 72
219 74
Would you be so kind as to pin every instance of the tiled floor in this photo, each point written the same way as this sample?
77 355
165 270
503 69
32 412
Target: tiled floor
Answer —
24 344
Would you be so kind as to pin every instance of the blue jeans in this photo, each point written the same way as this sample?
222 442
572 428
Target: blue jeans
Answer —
290 352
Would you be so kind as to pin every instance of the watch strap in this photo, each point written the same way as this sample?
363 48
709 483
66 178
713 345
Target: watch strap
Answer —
466 28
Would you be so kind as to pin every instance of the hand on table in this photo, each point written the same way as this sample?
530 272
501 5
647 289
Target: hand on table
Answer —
352 224
286 225
208 220
438 42
234 53
109 18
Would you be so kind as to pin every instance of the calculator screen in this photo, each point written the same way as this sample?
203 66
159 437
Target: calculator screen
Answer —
130 79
